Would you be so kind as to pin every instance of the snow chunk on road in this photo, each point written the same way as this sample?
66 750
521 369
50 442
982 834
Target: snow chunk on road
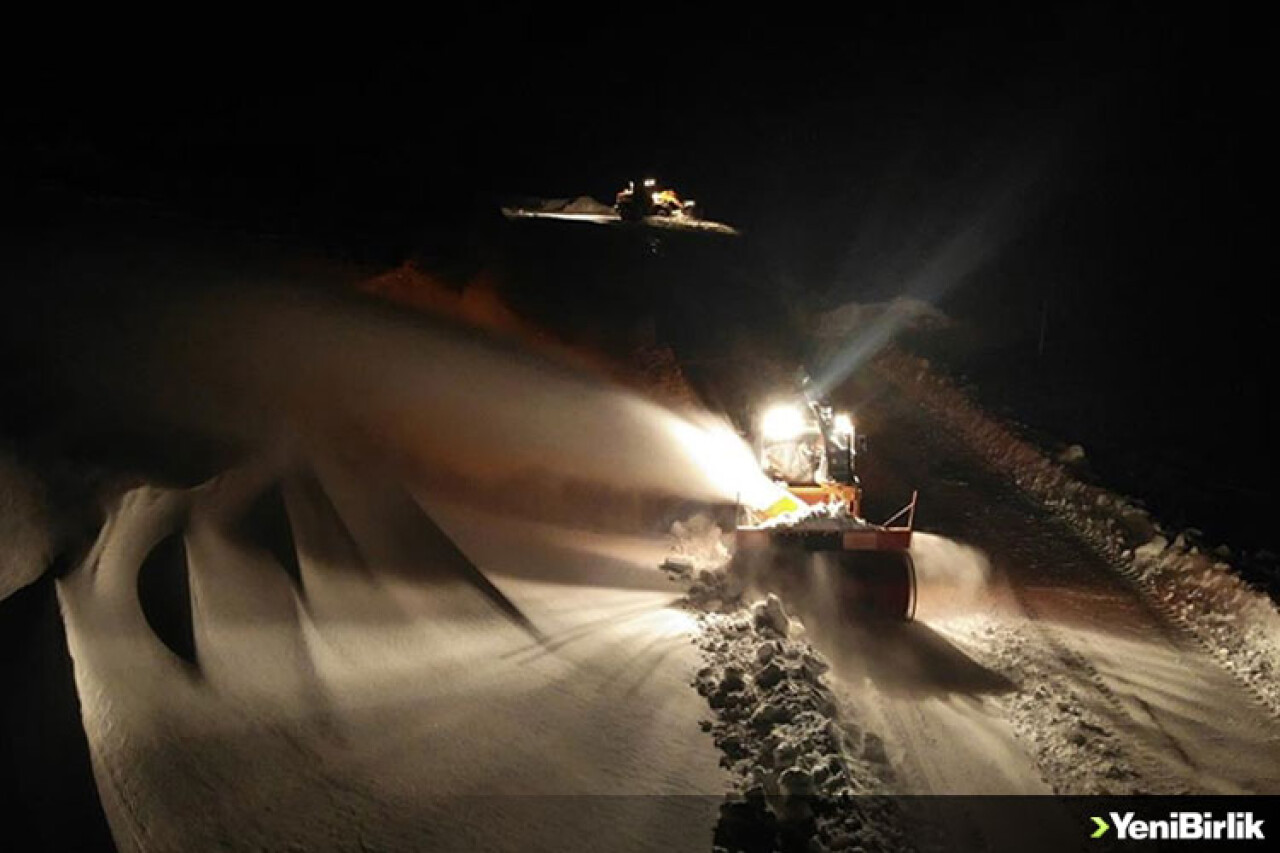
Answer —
697 543
768 615
801 771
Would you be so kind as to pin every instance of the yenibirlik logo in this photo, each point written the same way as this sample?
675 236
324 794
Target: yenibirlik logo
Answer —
1183 826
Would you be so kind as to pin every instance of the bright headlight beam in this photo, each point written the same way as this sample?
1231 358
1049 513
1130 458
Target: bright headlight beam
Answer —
782 423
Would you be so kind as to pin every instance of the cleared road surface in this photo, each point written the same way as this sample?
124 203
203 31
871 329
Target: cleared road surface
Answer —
1034 667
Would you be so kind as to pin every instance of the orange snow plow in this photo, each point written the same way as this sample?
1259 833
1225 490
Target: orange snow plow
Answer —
812 453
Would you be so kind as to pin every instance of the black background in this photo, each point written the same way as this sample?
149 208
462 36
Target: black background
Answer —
1101 166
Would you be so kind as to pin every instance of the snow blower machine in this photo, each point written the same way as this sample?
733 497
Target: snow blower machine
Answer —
811 451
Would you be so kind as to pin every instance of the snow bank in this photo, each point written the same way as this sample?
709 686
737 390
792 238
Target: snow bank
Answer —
587 204
801 771
25 527
1201 592
672 223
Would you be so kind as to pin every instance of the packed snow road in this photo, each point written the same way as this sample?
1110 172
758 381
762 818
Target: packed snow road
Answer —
1034 666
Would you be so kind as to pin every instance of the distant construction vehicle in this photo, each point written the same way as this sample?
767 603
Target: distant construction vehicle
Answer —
644 198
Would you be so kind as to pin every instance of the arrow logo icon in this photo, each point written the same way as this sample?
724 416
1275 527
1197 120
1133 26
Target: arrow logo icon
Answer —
1103 826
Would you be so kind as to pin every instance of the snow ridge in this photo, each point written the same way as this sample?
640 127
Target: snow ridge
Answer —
1197 591
803 774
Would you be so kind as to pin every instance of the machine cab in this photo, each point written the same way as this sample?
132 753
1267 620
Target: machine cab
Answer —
811 449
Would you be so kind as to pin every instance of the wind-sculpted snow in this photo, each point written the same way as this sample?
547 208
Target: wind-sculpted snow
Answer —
297 655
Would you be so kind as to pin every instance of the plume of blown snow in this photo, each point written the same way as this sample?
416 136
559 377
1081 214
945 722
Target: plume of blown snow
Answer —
281 365
949 574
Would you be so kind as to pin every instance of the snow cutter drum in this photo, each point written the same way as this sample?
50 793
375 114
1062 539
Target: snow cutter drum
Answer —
877 583
875 576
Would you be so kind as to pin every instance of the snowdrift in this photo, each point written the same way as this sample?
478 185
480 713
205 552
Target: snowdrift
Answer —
299 655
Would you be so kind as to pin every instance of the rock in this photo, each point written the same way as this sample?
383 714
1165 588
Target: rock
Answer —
733 680
769 615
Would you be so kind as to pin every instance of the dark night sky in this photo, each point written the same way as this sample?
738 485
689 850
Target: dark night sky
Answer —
1107 157
812 134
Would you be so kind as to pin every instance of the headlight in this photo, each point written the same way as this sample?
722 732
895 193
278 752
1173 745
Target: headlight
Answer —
843 423
782 423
